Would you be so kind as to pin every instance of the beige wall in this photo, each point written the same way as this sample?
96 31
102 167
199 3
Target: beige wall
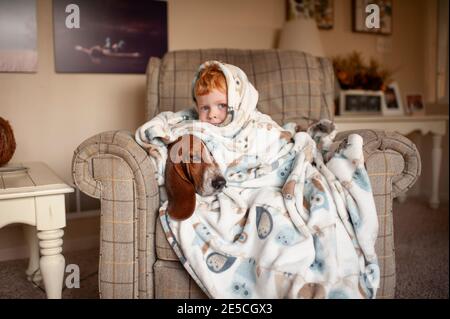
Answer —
52 113
405 58
412 58
241 24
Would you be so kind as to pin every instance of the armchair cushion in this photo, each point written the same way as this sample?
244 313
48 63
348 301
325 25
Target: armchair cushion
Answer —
163 249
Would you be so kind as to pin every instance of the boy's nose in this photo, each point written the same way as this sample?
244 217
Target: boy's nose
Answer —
212 114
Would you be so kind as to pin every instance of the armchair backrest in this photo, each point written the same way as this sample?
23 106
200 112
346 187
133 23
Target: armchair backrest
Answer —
293 86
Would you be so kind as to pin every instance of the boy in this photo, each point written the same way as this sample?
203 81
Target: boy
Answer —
210 95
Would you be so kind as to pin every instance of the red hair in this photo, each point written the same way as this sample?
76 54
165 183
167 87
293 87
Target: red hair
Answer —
210 78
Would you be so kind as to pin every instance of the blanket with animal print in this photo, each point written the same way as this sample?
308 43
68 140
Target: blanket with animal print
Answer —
297 218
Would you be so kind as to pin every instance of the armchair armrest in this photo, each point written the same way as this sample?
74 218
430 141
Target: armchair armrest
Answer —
390 154
111 166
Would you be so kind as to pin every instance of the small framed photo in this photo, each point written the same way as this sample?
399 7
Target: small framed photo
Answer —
414 104
361 102
393 100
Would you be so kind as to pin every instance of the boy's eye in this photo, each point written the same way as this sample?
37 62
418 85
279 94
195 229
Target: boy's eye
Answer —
222 106
204 108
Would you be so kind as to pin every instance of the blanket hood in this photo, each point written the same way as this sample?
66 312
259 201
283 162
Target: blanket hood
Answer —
241 94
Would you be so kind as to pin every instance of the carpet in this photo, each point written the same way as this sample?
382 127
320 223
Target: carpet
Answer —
421 240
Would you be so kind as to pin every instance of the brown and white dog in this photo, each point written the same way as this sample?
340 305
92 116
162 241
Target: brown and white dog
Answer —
190 169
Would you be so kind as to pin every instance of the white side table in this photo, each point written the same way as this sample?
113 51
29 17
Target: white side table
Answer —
35 197
434 124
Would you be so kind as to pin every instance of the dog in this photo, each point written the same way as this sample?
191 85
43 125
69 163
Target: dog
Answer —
190 169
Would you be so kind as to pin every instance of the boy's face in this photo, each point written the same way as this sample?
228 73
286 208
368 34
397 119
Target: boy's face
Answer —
212 107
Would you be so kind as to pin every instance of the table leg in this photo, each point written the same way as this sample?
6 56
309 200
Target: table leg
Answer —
33 272
52 261
436 156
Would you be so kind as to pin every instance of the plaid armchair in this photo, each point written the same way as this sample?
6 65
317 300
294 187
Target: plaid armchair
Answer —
136 260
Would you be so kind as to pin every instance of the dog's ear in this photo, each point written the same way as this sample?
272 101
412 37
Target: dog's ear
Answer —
180 192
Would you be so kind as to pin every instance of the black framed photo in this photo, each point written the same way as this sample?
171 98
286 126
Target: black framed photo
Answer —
18 36
372 16
361 102
108 36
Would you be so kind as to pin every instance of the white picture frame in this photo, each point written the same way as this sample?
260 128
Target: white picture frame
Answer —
393 100
361 102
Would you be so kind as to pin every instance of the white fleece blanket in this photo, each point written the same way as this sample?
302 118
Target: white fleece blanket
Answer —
288 224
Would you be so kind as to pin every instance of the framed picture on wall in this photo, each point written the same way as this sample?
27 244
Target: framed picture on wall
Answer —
321 10
324 14
18 36
108 36
393 100
384 27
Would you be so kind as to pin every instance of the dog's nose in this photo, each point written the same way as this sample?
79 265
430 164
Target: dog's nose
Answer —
218 183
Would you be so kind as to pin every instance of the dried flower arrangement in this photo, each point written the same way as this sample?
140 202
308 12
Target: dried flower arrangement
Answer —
353 74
